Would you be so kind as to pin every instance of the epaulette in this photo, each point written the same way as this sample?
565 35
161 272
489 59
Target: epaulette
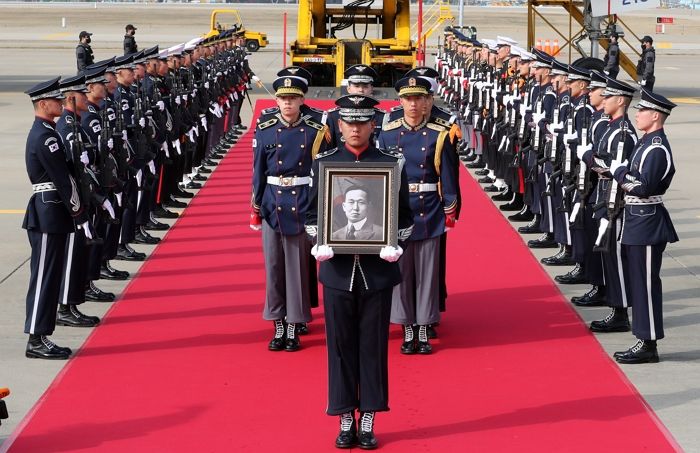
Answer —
326 153
383 112
47 125
92 109
270 111
656 140
334 109
268 123
310 122
392 151
391 125
436 127
314 109
441 121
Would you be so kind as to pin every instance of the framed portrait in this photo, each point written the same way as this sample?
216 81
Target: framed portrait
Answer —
358 206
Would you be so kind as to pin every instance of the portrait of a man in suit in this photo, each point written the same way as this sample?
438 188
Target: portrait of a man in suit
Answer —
357 205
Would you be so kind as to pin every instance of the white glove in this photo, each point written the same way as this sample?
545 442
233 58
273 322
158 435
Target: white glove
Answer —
190 135
110 144
537 117
478 85
160 105
581 150
606 72
570 137
523 110
176 145
178 100
391 254
322 252
206 85
574 212
124 137
601 230
152 167
142 122
107 206
86 229
184 96
255 79
164 147
643 82
194 92
204 123
555 127
84 158
119 199
228 104
615 164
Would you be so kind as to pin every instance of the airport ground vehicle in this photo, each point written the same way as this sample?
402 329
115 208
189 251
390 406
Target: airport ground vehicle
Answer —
224 19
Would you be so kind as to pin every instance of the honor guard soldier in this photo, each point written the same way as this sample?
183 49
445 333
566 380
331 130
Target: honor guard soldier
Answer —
361 80
646 227
81 156
619 137
430 161
295 71
83 52
357 290
284 145
53 213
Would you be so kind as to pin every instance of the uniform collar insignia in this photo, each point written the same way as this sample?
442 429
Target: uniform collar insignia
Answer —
656 140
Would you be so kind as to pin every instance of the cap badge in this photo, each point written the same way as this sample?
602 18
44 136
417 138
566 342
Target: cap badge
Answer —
361 68
356 100
287 82
412 82
292 70
421 71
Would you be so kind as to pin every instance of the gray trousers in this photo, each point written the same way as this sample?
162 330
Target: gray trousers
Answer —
417 299
287 274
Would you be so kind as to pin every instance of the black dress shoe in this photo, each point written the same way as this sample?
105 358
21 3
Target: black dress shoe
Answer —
192 185
525 215
595 297
95 294
199 178
515 204
347 437
277 342
175 204
40 347
125 254
492 188
644 351
546 241
179 193
482 172
486 180
209 163
533 227
141 237
163 213
302 328
470 157
478 163
424 348
506 195
291 344
616 321
154 225
408 346
562 258
69 315
108 273
204 170
432 333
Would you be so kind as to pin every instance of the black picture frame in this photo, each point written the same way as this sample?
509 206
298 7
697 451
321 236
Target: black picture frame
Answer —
378 228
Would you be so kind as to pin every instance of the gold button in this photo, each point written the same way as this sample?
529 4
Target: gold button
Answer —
302 146
279 130
279 192
279 162
401 133
279 208
293 208
421 165
422 149
279 146
294 192
420 196
301 130
421 214
425 133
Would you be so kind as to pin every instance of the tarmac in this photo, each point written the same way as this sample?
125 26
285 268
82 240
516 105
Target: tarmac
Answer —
36 47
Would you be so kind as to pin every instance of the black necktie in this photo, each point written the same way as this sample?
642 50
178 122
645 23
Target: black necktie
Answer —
351 232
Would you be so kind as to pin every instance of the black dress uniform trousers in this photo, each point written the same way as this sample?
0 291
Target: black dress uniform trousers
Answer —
357 335
48 255
642 266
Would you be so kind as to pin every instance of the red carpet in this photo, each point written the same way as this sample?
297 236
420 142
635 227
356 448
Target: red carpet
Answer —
180 362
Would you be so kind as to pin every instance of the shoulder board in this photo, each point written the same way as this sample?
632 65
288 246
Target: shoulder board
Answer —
391 125
334 109
376 110
436 127
392 151
270 111
444 110
92 109
440 121
314 124
656 140
314 109
395 108
326 153
47 125
268 123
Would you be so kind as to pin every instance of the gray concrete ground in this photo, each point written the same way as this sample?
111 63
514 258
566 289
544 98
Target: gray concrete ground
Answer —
35 47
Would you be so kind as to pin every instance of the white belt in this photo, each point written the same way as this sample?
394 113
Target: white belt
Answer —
289 181
43 187
654 199
414 188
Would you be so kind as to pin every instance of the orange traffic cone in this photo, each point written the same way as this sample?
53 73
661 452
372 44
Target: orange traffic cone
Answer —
555 47
547 47
538 44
